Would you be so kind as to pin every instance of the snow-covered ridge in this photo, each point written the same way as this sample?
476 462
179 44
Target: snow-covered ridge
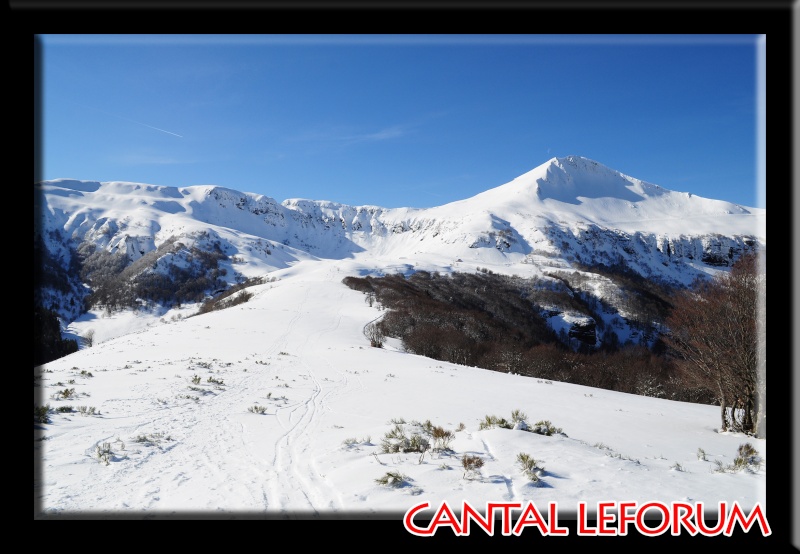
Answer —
564 212
571 189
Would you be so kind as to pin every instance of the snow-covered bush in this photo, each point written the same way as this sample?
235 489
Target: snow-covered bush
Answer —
530 467
393 479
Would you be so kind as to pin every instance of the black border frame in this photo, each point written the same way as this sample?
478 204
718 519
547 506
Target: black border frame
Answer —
776 19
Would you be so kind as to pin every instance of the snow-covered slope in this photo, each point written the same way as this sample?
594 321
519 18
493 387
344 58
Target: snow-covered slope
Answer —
171 425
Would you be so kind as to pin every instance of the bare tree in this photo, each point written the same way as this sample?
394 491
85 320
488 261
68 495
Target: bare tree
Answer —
716 333
375 335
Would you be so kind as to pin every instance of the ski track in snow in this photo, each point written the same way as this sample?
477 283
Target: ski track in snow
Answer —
292 450
506 479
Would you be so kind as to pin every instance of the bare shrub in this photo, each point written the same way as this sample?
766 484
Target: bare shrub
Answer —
472 465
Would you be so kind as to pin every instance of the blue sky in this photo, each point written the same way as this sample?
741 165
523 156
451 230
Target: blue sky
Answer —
397 121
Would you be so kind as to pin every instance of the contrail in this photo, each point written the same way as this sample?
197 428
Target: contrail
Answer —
131 120
156 128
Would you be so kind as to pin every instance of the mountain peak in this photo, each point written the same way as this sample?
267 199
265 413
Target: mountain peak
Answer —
573 160
572 179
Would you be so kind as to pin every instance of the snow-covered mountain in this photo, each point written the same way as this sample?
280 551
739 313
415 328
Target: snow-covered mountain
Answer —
567 214
279 408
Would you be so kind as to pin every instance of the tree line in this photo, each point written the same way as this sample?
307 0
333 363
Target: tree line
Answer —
709 348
